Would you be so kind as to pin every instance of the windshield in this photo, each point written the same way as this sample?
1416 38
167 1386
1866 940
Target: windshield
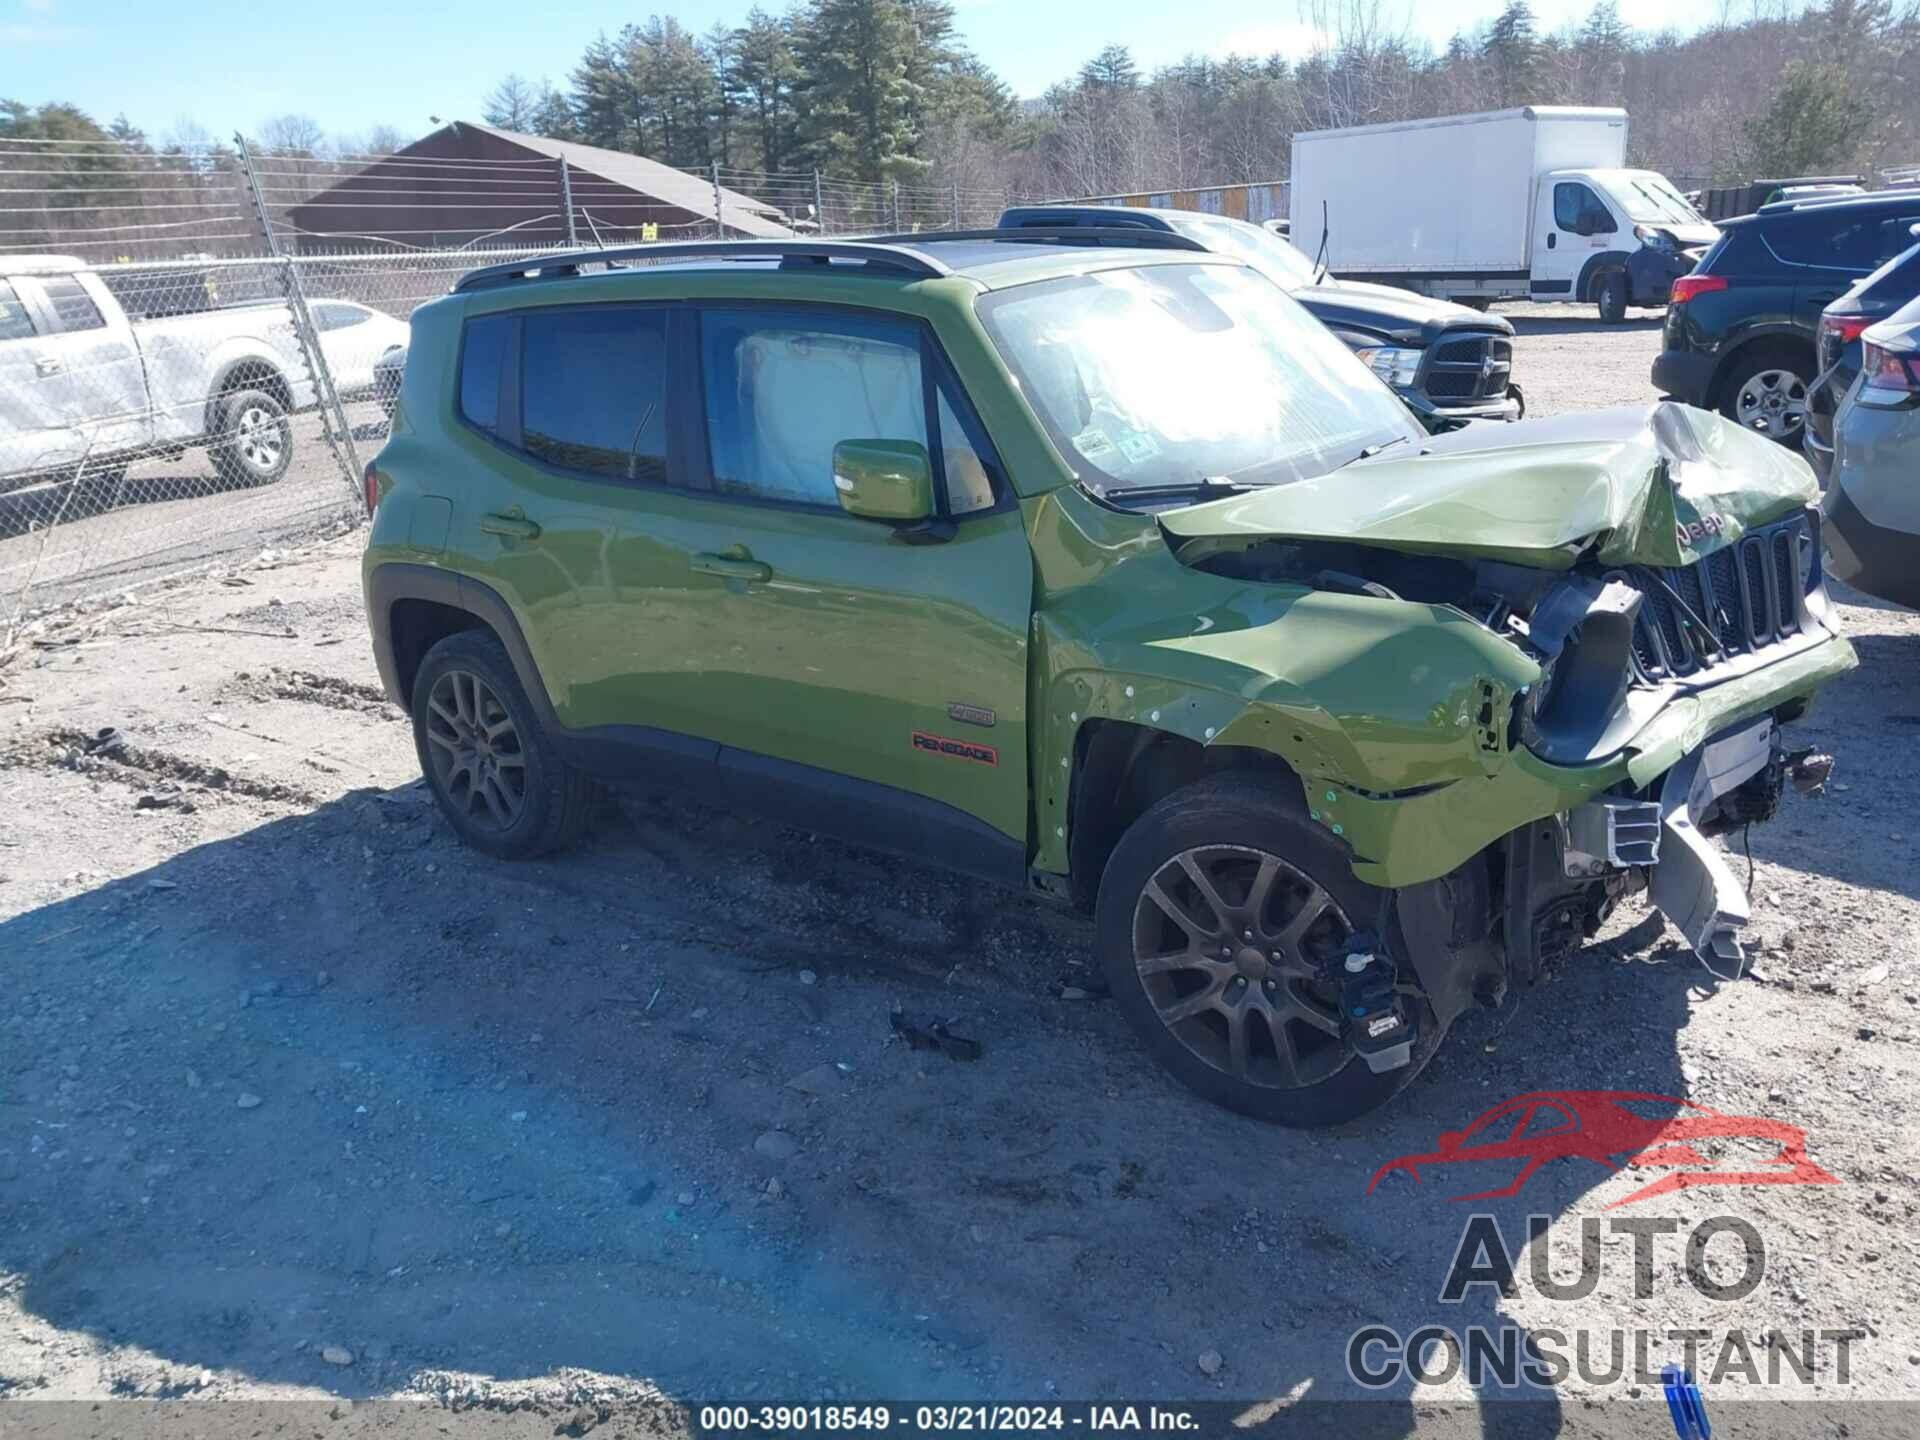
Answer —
1172 374
1262 249
1649 199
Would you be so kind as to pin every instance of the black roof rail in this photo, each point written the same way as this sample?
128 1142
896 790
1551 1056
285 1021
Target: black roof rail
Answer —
1135 236
877 256
1866 200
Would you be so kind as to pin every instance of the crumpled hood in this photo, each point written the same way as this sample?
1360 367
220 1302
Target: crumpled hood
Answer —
1649 485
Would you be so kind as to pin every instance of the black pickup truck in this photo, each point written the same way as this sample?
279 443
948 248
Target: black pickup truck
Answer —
1449 364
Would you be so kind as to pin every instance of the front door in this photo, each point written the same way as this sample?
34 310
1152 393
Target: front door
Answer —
1571 225
96 366
870 665
35 432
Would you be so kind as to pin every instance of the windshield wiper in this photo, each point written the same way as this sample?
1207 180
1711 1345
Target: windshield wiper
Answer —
1207 487
1368 452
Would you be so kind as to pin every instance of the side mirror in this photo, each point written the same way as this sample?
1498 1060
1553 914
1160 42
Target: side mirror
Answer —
889 480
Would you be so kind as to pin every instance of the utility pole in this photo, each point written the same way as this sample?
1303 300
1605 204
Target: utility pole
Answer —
566 200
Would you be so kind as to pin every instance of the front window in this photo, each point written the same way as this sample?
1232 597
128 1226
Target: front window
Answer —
1177 374
1265 251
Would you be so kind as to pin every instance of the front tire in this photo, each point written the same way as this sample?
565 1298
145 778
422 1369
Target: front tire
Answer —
1217 908
1611 298
498 777
253 442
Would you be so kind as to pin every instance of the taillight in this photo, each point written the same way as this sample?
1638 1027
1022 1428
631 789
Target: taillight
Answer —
1894 377
1843 328
371 479
1688 286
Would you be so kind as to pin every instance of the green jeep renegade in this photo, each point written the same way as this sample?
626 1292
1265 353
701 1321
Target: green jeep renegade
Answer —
1093 565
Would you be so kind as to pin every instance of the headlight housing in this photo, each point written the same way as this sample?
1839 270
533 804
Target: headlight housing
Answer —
1392 363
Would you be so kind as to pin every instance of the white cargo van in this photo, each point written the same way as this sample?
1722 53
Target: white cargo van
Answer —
1512 204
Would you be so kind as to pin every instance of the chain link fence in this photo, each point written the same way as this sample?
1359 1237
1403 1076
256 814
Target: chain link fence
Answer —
199 344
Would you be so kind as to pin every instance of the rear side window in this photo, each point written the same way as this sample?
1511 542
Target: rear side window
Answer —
1843 241
15 322
483 354
594 390
72 309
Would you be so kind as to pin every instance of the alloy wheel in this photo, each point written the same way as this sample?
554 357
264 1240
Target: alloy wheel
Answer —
258 439
1229 943
1773 403
476 751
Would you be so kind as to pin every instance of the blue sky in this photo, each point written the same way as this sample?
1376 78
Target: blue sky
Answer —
351 64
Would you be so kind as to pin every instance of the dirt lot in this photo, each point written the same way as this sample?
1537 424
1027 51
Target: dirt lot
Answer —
300 1099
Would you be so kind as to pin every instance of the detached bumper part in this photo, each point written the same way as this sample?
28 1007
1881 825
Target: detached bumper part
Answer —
1693 885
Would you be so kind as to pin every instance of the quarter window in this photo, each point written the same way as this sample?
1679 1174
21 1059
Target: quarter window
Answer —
783 389
482 355
594 390
71 306
1842 242
15 322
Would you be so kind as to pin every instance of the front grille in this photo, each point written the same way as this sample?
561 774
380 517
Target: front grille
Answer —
1747 597
1474 367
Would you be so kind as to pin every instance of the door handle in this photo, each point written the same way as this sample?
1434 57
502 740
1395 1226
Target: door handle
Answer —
733 567
47 367
514 527
1552 239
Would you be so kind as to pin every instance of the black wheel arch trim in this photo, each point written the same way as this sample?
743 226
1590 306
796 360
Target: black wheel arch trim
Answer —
1598 264
1735 347
861 812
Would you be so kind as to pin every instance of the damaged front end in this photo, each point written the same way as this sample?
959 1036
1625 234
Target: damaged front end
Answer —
1661 569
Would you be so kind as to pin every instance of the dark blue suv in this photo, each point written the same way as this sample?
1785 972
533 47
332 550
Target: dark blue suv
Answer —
1741 329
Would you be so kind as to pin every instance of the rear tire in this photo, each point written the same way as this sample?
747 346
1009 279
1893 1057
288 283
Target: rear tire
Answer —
253 438
498 777
1765 391
1611 297
1228 1000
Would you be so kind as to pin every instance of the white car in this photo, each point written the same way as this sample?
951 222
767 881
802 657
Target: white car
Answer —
87 387
355 338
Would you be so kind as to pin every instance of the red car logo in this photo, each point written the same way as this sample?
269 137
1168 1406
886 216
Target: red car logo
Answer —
1596 1125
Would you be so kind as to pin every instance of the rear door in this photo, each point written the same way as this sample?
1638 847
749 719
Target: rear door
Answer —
879 683
569 511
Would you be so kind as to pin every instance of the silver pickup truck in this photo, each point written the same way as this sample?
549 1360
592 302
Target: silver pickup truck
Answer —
86 388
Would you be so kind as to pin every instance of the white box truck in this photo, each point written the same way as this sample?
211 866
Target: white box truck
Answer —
1534 203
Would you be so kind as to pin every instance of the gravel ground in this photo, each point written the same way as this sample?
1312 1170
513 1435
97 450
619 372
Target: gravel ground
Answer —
299 1099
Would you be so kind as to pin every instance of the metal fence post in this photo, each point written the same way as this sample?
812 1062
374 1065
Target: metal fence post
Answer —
896 207
956 204
719 224
566 200
819 205
326 398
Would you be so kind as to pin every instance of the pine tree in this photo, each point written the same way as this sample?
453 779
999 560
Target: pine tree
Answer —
762 74
1513 49
509 105
855 54
1817 121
